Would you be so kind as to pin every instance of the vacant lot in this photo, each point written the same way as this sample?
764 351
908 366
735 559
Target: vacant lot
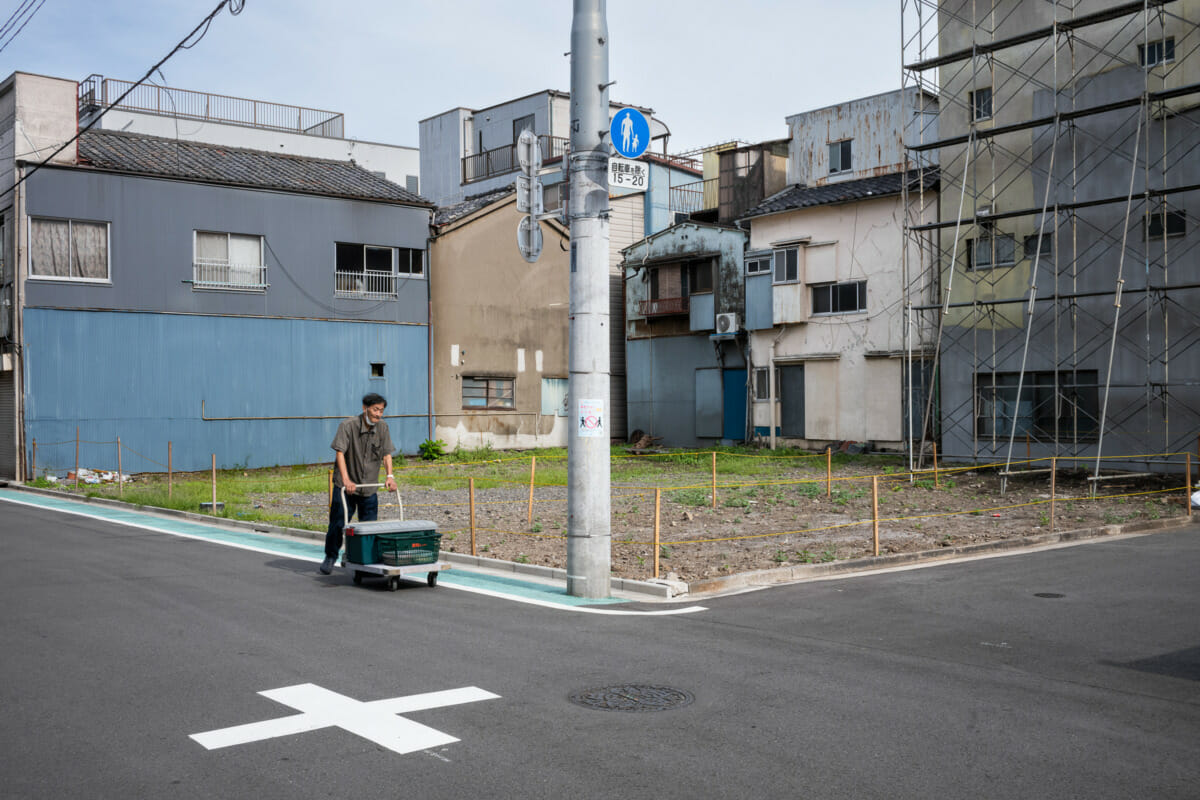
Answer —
771 509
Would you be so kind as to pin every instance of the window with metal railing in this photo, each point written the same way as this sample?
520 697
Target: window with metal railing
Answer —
373 272
232 261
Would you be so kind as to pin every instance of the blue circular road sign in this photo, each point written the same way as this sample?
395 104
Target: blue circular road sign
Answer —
630 133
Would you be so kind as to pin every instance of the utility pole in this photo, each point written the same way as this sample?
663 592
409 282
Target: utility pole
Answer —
589 523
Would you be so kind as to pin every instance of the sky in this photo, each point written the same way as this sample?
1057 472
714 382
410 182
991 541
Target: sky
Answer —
712 70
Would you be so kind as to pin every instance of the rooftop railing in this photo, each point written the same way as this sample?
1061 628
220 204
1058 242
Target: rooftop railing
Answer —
97 92
502 160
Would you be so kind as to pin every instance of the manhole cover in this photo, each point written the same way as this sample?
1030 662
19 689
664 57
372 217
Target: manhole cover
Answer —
1049 595
633 697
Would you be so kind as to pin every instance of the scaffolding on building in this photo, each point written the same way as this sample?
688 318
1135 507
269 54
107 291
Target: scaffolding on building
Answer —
1056 302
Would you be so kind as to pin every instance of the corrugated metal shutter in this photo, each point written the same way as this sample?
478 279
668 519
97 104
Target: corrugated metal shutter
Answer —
626 226
8 425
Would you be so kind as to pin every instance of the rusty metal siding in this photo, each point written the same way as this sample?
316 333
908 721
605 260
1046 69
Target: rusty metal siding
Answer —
875 124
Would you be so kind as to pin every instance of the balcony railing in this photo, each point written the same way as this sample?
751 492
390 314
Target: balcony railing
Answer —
368 285
97 92
215 274
663 306
502 160
690 198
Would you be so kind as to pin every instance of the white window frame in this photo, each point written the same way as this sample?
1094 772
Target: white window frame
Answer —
1157 48
833 288
765 262
775 264
106 280
205 270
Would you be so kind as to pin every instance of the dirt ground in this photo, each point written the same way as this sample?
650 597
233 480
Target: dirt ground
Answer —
765 526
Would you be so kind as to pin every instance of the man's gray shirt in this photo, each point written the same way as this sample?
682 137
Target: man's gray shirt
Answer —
364 447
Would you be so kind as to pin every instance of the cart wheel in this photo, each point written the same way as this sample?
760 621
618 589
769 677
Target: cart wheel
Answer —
358 577
431 578
393 583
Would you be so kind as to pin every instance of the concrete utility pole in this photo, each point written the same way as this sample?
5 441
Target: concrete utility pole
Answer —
589 524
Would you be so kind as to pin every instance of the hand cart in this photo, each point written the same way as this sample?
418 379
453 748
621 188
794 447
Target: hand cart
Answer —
391 549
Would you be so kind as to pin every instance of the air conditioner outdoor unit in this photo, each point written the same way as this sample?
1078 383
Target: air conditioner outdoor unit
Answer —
727 323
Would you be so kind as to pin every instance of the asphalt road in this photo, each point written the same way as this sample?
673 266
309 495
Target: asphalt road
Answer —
120 644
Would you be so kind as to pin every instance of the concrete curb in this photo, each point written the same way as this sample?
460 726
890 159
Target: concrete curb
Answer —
664 589
802 572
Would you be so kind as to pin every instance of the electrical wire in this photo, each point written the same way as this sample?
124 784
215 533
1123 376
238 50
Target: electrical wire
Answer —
23 24
236 7
13 17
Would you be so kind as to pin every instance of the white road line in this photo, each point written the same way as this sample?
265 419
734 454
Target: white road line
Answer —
375 721
317 560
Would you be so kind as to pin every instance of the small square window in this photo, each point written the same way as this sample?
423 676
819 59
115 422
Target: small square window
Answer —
376 369
839 156
762 385
981 104
700 277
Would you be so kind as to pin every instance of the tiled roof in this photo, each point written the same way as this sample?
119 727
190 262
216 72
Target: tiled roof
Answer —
210 163
447 214
800 196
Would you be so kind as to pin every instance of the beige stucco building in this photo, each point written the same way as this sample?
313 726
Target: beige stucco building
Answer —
500 328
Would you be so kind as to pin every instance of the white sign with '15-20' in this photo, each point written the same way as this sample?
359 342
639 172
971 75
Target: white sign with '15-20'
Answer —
626 174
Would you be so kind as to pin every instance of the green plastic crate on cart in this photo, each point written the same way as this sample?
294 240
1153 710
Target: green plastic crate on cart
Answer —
364 539
402 549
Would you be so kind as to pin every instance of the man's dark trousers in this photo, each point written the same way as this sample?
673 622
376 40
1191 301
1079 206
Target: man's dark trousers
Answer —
365 507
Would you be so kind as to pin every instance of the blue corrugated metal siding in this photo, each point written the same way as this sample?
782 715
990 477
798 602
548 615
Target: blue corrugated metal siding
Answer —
143 376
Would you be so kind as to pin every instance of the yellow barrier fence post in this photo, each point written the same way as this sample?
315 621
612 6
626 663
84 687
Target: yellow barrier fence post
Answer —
120 471
532 472
1187 501
828 472
471 489
170 471
1053 486
937 483
214 484
33 471
875 509
657 507
714 478
76 458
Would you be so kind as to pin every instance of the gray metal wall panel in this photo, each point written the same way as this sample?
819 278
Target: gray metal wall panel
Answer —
662 386
618 415
702 312
8 425
709 403
151 246
760 314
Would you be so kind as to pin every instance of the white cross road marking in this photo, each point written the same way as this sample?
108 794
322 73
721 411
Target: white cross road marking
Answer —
375 721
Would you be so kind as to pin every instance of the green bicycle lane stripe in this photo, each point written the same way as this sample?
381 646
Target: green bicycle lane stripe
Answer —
460 578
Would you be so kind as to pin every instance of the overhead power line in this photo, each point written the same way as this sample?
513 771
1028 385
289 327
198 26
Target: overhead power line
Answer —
235 8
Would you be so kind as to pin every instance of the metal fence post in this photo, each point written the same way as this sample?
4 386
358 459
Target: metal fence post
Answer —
471 490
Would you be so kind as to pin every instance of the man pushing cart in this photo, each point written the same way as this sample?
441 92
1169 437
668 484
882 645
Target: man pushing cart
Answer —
360 445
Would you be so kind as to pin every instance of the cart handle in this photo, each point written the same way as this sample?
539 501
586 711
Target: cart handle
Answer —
345 510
